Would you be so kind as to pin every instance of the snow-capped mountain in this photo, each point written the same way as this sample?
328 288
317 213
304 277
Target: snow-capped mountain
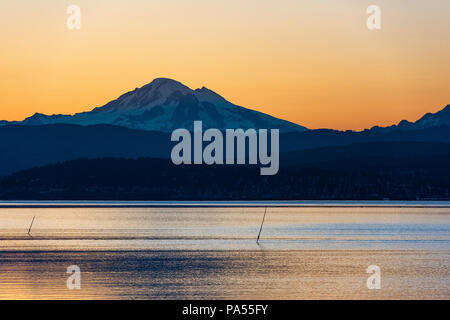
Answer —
429 120
438 119
165 105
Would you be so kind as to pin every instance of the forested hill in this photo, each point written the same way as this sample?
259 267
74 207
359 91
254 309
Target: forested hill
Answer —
398 171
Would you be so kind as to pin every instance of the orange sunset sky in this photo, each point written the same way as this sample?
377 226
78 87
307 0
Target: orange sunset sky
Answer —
311 62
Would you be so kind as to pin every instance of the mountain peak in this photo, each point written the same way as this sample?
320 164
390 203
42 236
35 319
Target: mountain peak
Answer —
164 87
164 105
428 120
439 118
167 83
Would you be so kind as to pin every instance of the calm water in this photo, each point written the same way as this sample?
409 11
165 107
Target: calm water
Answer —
131 251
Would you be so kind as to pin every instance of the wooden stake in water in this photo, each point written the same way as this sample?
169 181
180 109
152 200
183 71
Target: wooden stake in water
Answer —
260 229
29 230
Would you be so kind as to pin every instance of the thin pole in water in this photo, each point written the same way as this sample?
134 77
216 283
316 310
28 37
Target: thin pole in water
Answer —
260 229
29 230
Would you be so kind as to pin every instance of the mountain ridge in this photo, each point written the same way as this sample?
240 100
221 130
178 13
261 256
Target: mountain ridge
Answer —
440 118
25 146
165 105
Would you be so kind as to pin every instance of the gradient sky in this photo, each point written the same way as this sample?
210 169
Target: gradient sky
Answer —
311 62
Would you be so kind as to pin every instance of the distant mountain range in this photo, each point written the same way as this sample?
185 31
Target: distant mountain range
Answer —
429 120
165 105
122 150
23 147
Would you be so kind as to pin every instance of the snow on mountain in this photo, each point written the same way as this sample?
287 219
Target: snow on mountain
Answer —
440 118
429 120
165 105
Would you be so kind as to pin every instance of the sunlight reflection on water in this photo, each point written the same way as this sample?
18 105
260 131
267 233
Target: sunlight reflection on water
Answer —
178 253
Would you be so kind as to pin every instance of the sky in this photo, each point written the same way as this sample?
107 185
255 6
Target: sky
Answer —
314 63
